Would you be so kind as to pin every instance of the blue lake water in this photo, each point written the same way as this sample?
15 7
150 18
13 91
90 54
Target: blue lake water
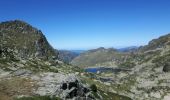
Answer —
92 70
95 70
102 69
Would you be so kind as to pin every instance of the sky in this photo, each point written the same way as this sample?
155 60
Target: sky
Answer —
87 24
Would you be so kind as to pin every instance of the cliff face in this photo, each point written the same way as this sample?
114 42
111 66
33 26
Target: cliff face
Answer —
19 39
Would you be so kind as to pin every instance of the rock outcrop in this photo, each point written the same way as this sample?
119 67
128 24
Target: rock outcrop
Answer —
166 67
64 86
19 39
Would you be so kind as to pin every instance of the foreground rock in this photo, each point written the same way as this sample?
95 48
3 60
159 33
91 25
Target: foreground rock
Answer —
61 85
166 67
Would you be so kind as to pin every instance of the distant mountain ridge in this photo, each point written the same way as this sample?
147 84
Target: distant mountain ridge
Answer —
122 57
128 49
78 51
98 57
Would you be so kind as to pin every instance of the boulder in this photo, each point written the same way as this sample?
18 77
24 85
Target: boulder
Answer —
73 89
61 85
166 67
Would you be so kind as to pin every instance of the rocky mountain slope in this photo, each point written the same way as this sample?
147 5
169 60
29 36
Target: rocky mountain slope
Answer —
100 57
161 42
29 65
19 39
31 70
149 77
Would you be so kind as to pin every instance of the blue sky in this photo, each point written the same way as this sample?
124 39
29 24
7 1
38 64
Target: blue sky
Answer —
86 24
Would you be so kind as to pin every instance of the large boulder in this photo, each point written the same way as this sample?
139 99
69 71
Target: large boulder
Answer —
62 85
72 89
166 67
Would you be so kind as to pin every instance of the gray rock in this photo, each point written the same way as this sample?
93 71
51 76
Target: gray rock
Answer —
22 72
61 85
166 67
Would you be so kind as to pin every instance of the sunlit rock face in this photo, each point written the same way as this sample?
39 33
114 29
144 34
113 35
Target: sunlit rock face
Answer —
64 86
19 39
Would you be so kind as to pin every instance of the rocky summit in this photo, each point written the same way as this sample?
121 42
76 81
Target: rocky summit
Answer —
19 39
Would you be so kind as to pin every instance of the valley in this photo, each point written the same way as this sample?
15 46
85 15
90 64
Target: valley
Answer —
84 50
33 69
146 74
140 73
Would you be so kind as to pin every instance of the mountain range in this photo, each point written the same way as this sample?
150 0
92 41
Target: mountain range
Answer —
31 69
117 57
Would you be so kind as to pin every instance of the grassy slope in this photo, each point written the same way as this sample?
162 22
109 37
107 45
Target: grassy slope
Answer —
99 57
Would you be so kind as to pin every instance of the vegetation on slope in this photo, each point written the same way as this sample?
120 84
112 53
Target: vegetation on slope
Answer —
20 39
98 56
